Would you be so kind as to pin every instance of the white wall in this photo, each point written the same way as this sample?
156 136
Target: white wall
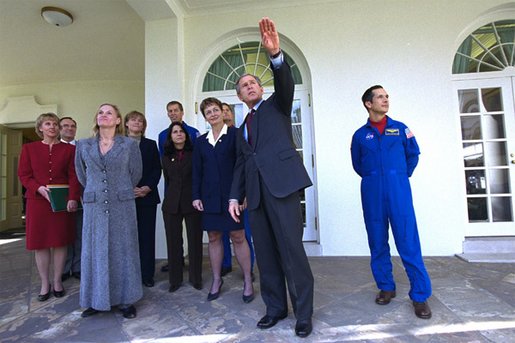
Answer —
79 100
408 47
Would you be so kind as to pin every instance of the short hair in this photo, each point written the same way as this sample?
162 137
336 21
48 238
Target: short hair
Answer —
119 128
135 114
175 103
241 77
208 102
169 147
226 104
369 94
69 118
41 118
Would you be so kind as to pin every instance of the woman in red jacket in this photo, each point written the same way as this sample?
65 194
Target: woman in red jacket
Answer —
44 163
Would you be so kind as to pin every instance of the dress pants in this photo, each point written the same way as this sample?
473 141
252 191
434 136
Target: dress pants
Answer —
74 250
147 240
174 244
277 230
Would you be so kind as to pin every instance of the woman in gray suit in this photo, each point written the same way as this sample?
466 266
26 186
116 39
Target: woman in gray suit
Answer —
109 166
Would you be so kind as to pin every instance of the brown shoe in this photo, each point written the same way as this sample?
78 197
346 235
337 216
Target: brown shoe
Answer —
422 310
384 297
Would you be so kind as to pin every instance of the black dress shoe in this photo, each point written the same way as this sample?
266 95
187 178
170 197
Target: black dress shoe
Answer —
213 296
59 294
247 298
384 297
65 276
148 283
89 312
129 312
226 270
44 297
303 328
197 285
76 275
165 268
422 310
268 321
173 288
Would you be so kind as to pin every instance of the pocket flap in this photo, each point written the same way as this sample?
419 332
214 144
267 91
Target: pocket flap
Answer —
285 154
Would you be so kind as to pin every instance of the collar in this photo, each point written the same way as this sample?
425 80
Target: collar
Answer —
211 137
257 105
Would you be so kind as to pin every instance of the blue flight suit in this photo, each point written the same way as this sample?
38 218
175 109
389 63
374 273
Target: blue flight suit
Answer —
385 163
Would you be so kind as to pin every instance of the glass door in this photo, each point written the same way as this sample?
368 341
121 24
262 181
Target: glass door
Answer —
11 204
487 122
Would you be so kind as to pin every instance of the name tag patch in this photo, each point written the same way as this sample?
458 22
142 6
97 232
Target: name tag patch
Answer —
391 132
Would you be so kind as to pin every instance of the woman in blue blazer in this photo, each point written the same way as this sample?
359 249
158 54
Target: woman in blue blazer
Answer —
147 196
214 156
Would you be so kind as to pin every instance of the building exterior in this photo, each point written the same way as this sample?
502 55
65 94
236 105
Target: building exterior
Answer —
447 65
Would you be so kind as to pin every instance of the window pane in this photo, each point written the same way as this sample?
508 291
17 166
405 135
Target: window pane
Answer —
499 181
297 135
469 100
496 154
494 126
470 127
477 209
295 112
473 155
501 209
475 181
492 99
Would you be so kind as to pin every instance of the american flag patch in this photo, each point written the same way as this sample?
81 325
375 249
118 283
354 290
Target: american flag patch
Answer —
409 134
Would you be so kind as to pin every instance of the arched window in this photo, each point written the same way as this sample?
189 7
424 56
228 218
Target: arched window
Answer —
489 48
243 58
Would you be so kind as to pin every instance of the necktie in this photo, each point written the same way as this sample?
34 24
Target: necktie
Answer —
250 117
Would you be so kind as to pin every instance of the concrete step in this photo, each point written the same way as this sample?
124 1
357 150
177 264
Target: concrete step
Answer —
489 249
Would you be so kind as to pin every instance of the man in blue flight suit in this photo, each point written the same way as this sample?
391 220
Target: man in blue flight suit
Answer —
385 154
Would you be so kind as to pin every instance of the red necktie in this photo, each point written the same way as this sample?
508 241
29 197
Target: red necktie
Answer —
250 116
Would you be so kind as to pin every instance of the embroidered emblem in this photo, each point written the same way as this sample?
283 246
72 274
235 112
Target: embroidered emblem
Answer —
409 134
369 136
391 132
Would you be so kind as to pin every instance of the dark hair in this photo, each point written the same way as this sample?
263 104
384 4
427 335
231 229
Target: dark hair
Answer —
241 77
70 118
169 147
175 103
208 102
369 94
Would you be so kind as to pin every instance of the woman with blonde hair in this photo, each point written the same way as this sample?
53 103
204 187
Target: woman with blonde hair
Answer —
44 163
109 166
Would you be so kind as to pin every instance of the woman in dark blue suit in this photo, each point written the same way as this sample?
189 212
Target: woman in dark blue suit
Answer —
214 156
147 196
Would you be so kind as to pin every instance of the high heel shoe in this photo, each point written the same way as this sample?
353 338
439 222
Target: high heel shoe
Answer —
44 297
59 294
247 298
213 296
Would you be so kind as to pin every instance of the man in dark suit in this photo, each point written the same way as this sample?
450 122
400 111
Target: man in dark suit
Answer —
269 172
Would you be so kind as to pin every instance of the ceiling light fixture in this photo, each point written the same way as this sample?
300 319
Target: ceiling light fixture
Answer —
56 16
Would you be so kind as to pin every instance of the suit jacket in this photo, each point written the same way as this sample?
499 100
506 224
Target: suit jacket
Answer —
272 157
178 177
151 172
213 171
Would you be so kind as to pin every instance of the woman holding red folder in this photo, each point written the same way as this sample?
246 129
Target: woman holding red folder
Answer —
43 163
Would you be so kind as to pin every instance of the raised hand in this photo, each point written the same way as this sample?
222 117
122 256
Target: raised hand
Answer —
269 36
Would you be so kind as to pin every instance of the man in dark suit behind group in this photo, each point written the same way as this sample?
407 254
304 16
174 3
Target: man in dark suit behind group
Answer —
270 174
